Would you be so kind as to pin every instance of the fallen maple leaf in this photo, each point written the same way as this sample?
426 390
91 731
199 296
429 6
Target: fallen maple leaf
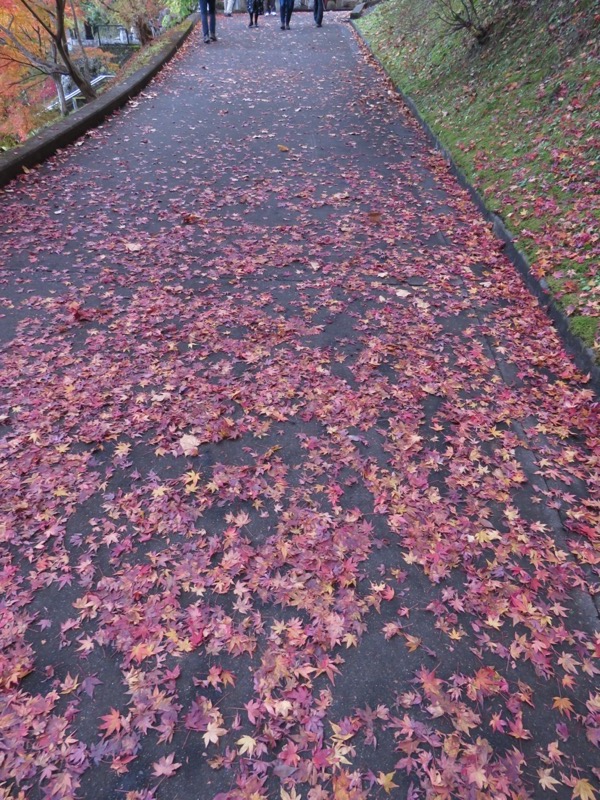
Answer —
112 722
546 779
189 444
564 705
412 642
386 780
247 744
165 767
584 790
213 733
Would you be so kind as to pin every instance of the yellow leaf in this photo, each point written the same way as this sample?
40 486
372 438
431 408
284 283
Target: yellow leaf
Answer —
387 781
246 744
494 621
292 795
584 790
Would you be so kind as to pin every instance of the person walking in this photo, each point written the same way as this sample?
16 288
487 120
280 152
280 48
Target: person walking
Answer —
285 12
209 20
228 7
270 8
255 7
318 12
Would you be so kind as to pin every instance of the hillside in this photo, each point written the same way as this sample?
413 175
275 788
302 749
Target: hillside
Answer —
521 116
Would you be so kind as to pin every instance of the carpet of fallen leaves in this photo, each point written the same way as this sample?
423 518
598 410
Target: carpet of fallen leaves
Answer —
300 494
520 117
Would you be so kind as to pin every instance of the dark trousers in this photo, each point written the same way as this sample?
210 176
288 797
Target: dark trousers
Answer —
207 14
285 11
318 12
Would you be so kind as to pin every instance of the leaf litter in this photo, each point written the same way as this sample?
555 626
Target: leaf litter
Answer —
264 440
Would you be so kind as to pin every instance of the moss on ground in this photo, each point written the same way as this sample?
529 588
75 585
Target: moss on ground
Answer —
145 54
521 116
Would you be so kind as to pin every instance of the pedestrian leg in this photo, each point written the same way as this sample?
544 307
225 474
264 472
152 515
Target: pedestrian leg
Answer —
318 12
212 19
204 18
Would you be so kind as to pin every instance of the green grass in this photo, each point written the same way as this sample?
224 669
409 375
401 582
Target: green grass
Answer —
520 115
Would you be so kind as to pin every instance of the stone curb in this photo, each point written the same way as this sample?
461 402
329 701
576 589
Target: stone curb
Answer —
67 130
582 355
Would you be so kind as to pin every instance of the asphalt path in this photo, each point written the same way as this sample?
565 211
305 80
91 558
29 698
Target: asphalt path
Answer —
299 490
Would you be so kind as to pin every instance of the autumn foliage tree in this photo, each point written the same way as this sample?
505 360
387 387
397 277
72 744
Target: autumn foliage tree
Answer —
33 44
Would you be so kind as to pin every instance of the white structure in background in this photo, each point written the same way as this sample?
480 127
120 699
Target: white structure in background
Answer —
98 35
75 97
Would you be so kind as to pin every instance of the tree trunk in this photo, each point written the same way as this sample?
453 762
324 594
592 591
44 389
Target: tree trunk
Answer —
144 31
61 94
87 72
84 86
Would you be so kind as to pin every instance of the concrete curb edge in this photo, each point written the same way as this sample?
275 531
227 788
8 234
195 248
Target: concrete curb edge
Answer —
64 132
582 355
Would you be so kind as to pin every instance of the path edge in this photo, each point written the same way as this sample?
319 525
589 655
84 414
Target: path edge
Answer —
66 131
582 355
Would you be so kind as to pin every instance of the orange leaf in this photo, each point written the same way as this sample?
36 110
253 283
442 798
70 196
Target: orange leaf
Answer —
564 705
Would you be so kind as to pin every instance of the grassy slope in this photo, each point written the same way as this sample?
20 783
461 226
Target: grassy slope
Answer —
143 56
521 116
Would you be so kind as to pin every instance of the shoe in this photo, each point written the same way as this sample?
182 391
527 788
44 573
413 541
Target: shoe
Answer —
251 25
207 40
283 27
287 27
213 38
318 24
